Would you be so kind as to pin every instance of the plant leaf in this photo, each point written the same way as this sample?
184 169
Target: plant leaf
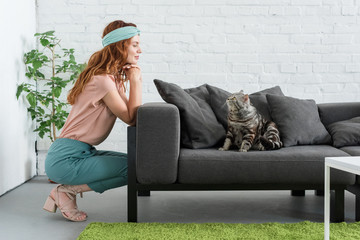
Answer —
44 42
28 75
57 92
72 58
41 134
49 33
39 74
41 111
31 99
37 64
19 90
56 79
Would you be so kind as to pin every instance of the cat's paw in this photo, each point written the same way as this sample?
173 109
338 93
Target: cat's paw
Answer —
242 150
268 144
222 149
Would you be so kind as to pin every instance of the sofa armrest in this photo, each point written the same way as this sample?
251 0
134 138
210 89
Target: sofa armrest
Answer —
157 143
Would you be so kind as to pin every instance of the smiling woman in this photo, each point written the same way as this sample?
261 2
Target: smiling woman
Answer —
97 98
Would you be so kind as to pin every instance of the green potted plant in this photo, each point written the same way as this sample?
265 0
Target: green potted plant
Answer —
50 71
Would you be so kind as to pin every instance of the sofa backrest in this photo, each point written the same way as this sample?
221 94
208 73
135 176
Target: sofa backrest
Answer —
334 112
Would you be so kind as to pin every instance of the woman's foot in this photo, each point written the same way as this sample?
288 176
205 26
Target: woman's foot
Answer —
65 199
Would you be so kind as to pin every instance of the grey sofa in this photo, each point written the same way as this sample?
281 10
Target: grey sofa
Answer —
158 162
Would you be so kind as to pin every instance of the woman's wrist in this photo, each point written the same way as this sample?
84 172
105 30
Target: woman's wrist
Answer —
135 80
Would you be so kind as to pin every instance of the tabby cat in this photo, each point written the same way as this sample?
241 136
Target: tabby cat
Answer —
247 129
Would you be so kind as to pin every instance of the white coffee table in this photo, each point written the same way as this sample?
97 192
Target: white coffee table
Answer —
348 164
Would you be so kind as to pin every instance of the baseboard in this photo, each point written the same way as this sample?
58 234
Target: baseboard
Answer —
12 189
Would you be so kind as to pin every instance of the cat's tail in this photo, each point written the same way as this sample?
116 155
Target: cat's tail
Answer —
271 139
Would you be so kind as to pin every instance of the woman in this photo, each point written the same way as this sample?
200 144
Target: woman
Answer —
97 98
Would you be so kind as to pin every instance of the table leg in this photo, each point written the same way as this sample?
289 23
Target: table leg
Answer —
327 203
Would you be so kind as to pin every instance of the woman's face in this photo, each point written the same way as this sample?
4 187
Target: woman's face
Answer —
134 50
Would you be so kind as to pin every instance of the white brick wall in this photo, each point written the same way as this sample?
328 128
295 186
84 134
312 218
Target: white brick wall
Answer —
311 48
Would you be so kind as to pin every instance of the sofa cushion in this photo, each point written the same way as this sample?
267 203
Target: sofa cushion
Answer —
218 104
351 150
199 125
287 166
259 100
345 133
298 121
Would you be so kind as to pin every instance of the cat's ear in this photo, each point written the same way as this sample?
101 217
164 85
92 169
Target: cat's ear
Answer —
246 97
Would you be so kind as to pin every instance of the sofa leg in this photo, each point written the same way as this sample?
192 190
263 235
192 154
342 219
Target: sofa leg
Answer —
144 193
355 189
357 208
131 188
337 204
319 193
132 205
298 193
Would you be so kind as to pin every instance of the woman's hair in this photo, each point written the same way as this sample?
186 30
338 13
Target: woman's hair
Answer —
109 60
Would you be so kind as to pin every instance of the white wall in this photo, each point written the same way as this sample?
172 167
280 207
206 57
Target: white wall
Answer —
17 152
311 48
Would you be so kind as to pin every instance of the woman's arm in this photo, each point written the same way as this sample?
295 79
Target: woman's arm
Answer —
126 110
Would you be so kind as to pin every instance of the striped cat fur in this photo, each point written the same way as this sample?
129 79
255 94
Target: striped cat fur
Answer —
247 128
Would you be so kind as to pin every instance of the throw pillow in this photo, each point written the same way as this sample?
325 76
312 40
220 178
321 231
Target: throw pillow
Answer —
258 99
345 133
218 104
199 126
298 121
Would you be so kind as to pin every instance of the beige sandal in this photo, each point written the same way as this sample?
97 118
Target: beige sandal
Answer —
52 204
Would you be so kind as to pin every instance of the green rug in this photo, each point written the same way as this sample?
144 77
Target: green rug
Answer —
208 231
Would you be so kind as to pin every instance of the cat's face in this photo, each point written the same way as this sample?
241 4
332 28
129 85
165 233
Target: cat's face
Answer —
238 101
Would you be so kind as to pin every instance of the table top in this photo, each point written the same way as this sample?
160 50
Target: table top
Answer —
350 164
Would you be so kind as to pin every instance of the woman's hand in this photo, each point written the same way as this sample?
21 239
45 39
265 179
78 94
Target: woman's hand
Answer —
132 72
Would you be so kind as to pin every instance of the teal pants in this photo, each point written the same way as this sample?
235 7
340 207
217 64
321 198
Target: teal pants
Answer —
73 162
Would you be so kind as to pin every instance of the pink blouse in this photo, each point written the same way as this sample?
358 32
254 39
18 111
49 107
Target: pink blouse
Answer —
90 120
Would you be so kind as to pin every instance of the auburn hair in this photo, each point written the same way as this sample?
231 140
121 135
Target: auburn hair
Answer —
109 60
